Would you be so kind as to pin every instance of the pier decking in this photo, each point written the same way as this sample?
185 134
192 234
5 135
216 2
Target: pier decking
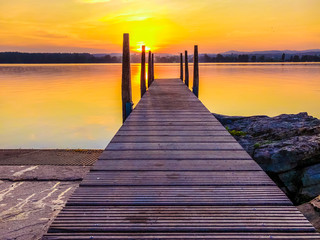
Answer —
173 171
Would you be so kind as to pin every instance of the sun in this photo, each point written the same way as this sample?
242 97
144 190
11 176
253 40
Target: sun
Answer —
139 49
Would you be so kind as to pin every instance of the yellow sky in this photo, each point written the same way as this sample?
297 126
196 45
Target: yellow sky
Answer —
167 26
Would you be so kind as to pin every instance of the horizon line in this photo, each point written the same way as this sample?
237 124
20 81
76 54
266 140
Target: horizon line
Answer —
229 51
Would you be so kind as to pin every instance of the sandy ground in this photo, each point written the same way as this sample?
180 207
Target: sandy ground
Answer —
31 196
311 210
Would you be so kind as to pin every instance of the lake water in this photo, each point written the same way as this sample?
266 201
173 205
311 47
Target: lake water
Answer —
79 105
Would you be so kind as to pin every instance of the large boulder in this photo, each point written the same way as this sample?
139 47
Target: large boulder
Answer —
287 147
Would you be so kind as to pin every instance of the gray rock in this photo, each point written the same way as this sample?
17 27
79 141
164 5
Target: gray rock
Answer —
288 153
291 180
287 147
311 175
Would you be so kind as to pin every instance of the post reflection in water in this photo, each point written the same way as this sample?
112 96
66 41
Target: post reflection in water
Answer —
79 105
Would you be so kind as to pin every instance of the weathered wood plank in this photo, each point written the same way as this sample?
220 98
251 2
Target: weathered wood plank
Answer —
175 154
173 139
173 133
177 178
184 210
170 123
172 113
174 146
175 114
182 235
168 111
167 106
176 165
173 118
171 126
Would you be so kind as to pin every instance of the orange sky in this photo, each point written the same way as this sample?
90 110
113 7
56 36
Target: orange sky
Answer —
166 26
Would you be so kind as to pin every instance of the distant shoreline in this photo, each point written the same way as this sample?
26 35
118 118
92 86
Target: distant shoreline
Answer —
235 63
74 58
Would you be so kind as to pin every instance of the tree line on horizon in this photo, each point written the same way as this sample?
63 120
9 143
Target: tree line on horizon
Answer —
206 58
18 57
259 58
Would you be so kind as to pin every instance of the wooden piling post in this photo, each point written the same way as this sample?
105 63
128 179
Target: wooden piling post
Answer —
152 67
186 81
181 67
143 71
126 79
195 87
149 69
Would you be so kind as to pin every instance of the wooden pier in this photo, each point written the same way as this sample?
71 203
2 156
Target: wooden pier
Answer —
173 171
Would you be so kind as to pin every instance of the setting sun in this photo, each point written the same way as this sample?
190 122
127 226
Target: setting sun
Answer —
96 26
139 49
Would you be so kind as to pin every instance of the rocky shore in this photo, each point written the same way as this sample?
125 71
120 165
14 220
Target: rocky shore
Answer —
287 147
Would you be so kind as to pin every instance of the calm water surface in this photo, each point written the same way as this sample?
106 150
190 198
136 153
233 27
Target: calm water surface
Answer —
79 105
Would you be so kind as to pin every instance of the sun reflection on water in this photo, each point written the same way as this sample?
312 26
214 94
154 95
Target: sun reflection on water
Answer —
79 105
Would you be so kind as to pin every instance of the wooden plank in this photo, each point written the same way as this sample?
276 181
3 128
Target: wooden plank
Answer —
175 154
186 103
176 165
177 236
172 113
164 111
174 146
170 123
176 198
207 227
173 128
172 190
173 133
172 139
173 118
159 106
169 106
211 211
145 201
175 114
174 98
167 111
184 210
177 178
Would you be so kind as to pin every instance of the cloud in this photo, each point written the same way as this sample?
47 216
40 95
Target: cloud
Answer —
102 1
94 1
126 17
45 34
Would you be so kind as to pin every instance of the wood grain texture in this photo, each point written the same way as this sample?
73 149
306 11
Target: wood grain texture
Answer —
173 139
174 146
175 154
176 165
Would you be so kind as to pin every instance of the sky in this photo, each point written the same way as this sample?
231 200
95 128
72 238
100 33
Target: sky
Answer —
165 26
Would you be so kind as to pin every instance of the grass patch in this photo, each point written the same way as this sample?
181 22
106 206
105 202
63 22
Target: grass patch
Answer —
236 132
256 145
259 144
267 142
